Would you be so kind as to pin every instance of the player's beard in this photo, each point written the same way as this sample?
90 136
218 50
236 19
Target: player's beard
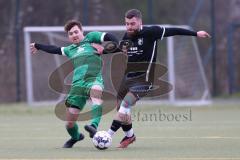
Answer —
132 33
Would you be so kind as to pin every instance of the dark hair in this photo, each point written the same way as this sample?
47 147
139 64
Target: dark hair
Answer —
133 13
71 24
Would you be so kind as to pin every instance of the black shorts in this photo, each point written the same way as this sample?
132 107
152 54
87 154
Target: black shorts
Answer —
138 86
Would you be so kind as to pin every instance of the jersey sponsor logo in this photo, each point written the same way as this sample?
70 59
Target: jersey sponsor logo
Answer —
80 49
133 49
140 41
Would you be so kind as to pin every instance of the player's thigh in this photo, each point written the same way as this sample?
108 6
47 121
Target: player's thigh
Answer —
77 97
76 101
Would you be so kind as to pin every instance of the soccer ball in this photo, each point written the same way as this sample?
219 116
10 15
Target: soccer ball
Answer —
102 140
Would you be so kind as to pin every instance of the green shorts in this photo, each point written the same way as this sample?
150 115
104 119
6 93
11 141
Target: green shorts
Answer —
80 93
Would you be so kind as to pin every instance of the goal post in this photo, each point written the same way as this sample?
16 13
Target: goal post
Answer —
173 76
179 53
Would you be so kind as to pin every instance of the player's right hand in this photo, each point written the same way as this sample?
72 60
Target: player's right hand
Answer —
33 48
110 47
98 47
203 34
124 45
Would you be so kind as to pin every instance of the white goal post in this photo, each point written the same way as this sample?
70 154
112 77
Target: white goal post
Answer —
179 53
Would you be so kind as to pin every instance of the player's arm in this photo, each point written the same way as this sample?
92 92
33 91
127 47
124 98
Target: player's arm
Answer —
115 46
159 32
181 31
110 37
46 48
110 47
97 38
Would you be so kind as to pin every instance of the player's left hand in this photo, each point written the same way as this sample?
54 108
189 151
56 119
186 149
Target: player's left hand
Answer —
98 47
33 48
203 34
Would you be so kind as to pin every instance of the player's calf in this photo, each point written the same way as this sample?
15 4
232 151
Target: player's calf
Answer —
123 118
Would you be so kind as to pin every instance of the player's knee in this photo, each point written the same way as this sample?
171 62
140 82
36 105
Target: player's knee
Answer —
97 87
96 101
96 91
128 101
71 116
96 95
124 110
70 124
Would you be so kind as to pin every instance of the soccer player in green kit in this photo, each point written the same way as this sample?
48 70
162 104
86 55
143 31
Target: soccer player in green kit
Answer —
87 77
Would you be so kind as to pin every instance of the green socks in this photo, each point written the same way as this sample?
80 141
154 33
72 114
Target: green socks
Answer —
73 132
96 115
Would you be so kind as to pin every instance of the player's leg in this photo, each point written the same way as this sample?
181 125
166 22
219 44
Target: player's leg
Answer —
138 90
72 113
74 103
116 123
96 98
123 118
124 115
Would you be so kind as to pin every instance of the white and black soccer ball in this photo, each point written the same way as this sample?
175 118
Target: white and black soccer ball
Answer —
102 140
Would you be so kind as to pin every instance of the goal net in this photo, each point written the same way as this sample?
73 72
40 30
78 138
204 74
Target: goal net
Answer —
180 54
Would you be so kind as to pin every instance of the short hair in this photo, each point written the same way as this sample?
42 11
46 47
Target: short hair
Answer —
133 13
72 23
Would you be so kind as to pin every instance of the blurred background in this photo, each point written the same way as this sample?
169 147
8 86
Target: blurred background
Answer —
220 55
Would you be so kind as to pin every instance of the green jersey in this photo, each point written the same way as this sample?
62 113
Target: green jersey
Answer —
87 68
87 64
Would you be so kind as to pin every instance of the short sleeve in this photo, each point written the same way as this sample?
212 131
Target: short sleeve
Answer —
95 37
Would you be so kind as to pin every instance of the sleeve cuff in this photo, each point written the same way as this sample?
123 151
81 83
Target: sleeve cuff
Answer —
63 53
102 36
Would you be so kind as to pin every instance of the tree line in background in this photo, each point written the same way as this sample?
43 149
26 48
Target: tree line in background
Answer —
18 14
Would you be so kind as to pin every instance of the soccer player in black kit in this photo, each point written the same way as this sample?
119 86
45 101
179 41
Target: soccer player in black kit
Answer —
135 84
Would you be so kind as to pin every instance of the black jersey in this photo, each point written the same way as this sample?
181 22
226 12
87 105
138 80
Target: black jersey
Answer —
144 45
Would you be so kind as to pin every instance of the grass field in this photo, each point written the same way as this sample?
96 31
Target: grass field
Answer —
163 132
